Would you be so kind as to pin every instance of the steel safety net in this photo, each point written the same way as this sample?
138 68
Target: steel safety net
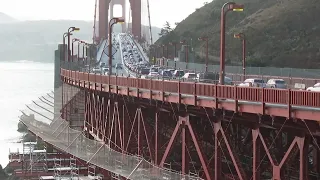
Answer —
40 119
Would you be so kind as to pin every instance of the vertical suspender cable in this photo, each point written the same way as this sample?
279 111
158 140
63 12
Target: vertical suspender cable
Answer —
129 29
148 6
94 22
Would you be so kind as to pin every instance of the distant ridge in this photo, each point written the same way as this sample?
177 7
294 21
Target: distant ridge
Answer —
37 40
4 18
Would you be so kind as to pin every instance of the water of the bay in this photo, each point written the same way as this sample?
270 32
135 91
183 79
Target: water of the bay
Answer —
20 83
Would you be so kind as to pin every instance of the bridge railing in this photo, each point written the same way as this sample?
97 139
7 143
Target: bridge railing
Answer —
290 80
285 72
262 95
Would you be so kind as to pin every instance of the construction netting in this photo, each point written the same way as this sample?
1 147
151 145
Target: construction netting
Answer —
44 121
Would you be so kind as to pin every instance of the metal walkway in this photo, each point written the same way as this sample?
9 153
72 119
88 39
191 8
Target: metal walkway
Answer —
39 118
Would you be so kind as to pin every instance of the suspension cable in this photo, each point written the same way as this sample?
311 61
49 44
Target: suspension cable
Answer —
129 29
150 30
94 22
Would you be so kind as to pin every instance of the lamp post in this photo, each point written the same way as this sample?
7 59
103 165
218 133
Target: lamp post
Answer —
112 22
242 37
174 44
166 55
184 42
154 54
158 53
207 50
71 29
83 50
72 47
64 44
163 47
78 54
229 6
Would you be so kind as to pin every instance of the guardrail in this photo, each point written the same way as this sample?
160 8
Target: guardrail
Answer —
291 81
264 95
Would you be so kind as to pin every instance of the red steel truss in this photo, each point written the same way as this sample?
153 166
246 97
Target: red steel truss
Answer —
217 132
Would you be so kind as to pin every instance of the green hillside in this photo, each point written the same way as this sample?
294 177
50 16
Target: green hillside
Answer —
283 33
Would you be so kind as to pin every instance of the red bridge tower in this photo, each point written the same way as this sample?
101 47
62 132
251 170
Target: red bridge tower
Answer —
104 16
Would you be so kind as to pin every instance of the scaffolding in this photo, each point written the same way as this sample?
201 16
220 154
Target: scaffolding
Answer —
33 160
92 173
56 131
66 172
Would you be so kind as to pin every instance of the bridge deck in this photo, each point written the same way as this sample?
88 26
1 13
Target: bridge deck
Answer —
275 102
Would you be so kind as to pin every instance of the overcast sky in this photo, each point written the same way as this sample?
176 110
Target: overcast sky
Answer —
161 10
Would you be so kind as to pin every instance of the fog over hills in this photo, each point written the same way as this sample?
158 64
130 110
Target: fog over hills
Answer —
37 40
6 19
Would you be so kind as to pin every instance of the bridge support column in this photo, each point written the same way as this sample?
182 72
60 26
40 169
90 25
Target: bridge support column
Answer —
136 18
301 144
156 137
256 155
236 162
316 156
184 123
142 131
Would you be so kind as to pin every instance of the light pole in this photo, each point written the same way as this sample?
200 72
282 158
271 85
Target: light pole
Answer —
72 47
78 54
229 6
71 29
112 22
184 42
207 50
174 44
242 37
83 52
166 55
154 54
64 44
163 47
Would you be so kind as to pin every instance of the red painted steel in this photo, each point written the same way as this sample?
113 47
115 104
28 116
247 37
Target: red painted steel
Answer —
219 128
173 91
104 17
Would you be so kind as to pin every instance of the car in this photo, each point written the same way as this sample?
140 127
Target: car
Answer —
166 74
189 76
105 69
178 73
97 70
118 66
145 71
315 88
208 77
153 74
253 82
276 83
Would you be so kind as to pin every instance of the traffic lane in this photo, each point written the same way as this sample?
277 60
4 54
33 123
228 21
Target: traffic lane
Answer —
117 60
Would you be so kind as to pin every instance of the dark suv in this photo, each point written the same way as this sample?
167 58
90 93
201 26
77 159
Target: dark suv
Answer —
209 77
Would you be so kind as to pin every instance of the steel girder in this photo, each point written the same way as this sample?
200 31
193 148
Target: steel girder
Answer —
214 145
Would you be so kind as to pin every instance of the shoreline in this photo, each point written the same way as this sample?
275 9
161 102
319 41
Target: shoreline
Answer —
6 173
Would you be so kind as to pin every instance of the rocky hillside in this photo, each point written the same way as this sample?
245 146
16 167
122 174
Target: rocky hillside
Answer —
283 33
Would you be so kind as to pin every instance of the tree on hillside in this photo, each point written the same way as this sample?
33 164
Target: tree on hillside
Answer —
165 30
167 26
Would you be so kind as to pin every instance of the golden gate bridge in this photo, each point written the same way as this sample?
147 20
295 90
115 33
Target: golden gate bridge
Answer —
129 127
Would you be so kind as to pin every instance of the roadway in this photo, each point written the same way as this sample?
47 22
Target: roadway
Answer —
102 58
